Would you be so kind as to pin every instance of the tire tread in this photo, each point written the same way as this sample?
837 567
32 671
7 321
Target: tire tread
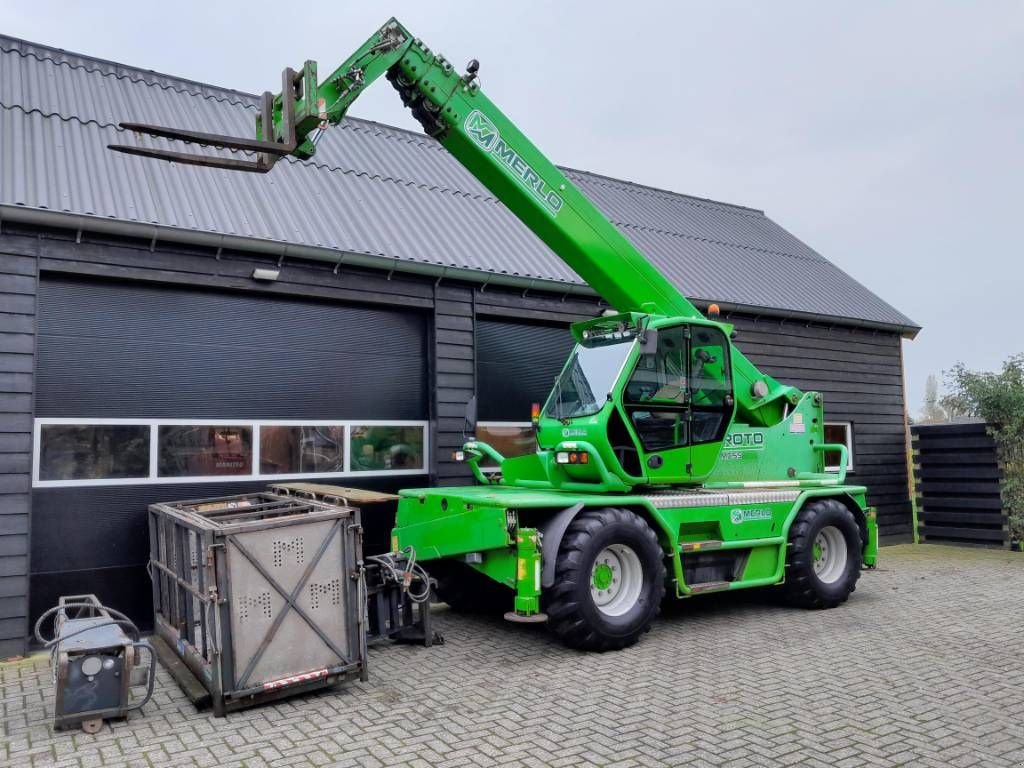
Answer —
799 587
565 617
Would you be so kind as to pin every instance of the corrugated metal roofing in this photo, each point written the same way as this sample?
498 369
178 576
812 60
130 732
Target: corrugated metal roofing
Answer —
371 190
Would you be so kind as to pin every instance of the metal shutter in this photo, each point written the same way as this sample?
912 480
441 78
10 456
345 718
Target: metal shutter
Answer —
144 350
134 350
516 365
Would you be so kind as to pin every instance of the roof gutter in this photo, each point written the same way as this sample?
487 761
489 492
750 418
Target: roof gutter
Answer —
275 248
84 222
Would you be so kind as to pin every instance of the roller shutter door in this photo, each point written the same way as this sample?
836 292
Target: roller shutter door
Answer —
125 349
132 350
516 366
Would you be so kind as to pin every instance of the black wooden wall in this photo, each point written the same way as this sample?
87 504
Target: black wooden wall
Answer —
454 378
18 281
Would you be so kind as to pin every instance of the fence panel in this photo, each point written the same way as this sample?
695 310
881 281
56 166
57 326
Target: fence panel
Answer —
957 473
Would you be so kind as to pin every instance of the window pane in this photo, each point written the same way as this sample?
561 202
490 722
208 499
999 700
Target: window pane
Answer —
584 384
509 440
381 448
837 433
709 368
661 376
659 430
198 451
94 452
286 450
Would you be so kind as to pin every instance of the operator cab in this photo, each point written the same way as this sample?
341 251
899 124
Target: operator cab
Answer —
656 395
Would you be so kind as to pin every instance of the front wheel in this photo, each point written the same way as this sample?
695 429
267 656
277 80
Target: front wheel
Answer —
609 581
824 558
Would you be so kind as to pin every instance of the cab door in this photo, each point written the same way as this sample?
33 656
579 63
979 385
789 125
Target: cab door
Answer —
656 400
712 404
679 402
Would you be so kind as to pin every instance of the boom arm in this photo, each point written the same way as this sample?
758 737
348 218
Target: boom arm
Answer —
452 108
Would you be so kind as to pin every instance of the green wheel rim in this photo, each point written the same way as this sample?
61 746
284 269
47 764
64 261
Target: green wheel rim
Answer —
616 580
603 575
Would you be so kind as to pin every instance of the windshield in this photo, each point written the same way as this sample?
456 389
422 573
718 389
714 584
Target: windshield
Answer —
585 382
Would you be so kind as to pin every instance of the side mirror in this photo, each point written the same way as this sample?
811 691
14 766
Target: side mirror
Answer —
649 346
469 428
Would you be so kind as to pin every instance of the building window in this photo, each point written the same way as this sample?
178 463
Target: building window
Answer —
302 449
509 438
70 452
384 447
839 432
204 450
93 452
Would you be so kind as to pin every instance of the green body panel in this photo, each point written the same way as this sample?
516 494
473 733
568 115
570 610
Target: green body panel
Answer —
765 437
756 529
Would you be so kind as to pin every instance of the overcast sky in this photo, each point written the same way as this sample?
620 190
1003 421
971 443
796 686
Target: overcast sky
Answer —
888 136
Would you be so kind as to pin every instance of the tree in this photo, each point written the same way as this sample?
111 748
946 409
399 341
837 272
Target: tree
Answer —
998 398
932 413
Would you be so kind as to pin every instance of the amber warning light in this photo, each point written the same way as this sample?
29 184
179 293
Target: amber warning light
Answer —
572 457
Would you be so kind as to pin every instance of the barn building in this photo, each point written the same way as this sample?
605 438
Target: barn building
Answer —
144 356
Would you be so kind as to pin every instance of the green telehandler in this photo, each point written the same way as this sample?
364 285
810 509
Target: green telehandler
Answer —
665 462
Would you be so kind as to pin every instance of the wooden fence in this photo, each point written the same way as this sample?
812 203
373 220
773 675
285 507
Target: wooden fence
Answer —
958 472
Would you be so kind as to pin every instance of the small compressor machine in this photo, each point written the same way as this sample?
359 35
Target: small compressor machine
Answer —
98 659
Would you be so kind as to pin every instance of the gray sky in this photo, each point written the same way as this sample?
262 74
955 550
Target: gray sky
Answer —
888 136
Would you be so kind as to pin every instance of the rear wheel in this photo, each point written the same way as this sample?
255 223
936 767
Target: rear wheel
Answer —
609 581
824 556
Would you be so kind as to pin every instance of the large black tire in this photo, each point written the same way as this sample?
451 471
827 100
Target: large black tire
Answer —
574 614
824 556
467 591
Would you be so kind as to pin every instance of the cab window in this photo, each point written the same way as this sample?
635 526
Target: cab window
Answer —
711 385
657 393
660 377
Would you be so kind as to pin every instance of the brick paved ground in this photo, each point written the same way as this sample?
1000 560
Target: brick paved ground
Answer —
924 666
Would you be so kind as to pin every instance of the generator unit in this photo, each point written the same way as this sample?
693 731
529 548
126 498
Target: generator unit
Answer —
98 659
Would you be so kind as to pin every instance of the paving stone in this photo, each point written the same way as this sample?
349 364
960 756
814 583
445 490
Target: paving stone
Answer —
920 668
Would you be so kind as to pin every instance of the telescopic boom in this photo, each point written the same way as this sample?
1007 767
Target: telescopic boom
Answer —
452 108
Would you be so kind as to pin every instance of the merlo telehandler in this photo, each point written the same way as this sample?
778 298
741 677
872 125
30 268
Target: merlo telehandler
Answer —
665 462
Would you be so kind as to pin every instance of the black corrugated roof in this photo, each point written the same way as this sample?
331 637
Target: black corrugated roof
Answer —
372 190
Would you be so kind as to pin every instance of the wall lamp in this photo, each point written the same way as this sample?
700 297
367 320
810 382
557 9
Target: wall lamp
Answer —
261 273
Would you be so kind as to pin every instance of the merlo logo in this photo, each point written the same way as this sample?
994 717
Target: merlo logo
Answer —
485 133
